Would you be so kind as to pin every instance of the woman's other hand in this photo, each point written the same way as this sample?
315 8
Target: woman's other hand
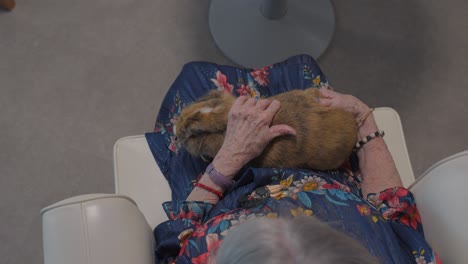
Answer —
376 164
248 133
345 101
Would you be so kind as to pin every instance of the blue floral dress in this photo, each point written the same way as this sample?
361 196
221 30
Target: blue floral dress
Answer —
386 223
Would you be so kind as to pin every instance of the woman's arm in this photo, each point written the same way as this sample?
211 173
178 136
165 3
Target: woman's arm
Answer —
247 134
377 167
376 164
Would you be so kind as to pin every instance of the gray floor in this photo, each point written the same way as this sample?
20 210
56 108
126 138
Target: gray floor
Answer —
75 76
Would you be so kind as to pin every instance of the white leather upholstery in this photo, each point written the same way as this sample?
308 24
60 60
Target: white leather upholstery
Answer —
138 176
388 120
96 229
441 197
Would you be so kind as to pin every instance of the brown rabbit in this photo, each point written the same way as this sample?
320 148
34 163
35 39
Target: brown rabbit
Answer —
324 140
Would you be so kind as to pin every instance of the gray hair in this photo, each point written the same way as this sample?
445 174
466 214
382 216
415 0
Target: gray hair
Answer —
299 240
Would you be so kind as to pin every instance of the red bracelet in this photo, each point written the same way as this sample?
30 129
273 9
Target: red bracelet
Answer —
208 188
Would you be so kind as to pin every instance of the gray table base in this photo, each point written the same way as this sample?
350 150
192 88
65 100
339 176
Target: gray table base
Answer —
249 39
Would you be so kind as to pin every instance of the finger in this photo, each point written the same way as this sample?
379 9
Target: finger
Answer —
327 93
272 109
263 104
240 101
326 86
281 130
325 102
250 102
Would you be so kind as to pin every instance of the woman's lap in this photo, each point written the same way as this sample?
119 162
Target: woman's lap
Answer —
195 80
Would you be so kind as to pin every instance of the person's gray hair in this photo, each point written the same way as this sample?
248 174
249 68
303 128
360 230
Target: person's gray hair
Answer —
299 240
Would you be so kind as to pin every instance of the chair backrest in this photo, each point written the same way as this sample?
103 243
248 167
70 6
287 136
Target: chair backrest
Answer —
441 198
138 176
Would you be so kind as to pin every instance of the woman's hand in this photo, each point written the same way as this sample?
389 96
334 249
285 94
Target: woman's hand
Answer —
376 164
353 105
248 133
348 102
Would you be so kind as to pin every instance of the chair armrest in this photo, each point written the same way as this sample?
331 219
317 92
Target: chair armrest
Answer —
138 176
96 229
388 120
441 197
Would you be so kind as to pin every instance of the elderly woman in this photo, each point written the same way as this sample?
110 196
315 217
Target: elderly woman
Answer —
359 213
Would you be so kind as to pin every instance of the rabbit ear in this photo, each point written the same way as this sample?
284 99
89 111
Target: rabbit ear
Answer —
207 115
204 121
195 122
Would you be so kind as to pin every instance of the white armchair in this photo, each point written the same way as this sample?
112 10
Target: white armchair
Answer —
117 228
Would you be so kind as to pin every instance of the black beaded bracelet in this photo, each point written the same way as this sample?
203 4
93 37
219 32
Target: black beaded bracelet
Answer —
361 143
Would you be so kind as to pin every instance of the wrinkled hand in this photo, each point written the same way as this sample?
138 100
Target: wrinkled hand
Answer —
354 106
248 132
345 101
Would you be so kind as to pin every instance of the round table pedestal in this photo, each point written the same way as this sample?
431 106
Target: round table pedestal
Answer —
250 39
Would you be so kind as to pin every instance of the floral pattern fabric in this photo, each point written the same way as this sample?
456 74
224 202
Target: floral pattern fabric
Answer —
387 223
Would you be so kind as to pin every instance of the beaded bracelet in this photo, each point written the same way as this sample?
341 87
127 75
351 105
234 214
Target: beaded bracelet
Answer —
363 141
208 188
218 178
